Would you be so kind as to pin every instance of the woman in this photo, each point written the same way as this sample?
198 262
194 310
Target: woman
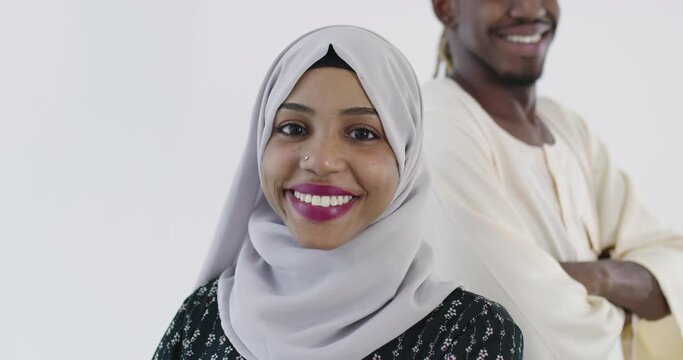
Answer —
324 256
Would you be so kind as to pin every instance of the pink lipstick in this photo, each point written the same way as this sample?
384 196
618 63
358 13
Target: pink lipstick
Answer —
320 202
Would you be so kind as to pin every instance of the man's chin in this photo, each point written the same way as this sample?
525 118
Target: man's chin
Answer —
520 80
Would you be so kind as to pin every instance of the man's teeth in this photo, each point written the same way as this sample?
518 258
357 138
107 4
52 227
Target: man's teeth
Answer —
323 201
524 39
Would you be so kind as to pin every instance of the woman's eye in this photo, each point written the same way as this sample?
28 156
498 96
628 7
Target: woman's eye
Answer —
292 130
362 134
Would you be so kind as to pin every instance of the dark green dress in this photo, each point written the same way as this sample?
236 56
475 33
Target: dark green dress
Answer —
463 326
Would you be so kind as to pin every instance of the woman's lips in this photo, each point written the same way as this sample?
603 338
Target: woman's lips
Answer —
317 189
320 202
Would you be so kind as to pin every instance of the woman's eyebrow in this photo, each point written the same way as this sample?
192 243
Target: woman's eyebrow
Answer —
359 111
297 107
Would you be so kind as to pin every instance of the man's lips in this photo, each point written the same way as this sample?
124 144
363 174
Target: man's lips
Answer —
525 37
528 29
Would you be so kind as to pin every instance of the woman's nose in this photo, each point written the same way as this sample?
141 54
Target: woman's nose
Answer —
323 157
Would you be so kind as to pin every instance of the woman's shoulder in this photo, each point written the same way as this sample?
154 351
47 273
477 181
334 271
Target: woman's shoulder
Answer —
200 306
471 307
204 297
464 324
478 325
195 331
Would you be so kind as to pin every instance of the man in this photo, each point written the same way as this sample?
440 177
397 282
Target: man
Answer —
549 227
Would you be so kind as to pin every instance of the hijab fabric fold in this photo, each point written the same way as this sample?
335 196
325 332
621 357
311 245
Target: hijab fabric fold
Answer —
279 300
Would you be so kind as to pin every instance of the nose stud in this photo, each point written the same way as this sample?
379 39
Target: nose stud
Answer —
306 157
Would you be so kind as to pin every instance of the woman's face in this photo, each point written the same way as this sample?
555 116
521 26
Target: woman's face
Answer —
328 170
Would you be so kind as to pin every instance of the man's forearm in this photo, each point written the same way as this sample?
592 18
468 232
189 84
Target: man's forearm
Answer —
623 283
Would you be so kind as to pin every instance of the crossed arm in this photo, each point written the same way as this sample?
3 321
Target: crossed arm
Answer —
633 237
624 283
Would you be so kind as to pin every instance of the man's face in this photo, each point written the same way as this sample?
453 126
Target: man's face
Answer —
509 37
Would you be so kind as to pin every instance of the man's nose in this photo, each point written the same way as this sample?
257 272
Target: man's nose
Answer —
528 9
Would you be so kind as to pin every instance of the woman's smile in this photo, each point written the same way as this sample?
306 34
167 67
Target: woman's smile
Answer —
320 202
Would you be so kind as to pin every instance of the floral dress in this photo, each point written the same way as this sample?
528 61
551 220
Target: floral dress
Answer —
463 326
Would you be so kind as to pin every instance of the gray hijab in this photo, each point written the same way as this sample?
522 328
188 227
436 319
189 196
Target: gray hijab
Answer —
279 300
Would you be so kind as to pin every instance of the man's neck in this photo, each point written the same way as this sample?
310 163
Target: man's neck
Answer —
512 106
504 102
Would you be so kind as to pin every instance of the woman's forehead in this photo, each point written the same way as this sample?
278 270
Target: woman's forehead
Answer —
328 88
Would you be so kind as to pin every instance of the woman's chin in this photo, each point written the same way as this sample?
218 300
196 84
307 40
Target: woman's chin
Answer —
318 241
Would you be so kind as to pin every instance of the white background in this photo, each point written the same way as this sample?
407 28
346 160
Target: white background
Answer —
121 123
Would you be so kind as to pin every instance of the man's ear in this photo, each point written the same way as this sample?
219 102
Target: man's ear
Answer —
446 11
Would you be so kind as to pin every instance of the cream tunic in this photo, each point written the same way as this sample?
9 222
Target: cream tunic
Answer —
516 210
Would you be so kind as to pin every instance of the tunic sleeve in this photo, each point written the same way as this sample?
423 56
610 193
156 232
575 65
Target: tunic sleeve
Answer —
489 247
631 230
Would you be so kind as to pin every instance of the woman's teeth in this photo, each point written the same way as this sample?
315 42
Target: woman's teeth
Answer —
324 200
524 39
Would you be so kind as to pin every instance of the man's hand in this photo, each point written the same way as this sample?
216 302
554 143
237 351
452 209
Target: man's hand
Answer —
623 283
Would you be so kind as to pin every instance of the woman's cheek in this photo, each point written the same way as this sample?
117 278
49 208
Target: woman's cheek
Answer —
381 173
273 175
